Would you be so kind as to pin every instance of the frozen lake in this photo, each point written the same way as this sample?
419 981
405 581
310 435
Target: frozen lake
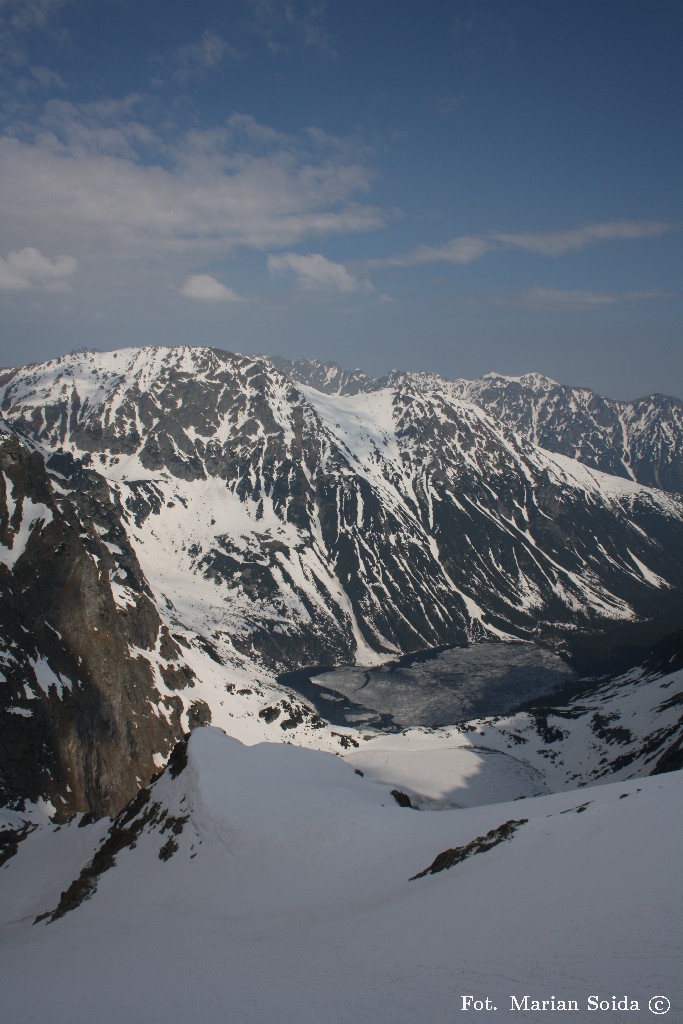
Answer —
433 688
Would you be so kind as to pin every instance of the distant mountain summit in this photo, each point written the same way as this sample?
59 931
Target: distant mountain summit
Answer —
640 440
328 377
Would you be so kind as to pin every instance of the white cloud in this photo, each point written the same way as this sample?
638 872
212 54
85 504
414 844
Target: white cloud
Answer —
87 181
466 248
100 127
251 129
208 289
560 298
315 271
28 268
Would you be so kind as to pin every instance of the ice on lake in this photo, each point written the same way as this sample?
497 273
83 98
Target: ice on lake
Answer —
434 688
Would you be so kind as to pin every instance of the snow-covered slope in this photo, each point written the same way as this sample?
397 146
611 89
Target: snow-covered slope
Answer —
623 728
273 884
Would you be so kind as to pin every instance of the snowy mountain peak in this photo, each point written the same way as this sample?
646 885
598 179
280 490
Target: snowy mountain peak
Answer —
531 380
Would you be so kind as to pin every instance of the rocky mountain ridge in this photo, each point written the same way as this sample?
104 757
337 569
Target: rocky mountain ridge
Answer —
640 440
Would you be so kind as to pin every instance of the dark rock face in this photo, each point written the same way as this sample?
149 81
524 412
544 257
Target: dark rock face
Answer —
667 655
75 726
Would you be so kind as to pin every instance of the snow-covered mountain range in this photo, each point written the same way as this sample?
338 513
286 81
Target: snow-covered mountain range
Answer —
385 521
178 521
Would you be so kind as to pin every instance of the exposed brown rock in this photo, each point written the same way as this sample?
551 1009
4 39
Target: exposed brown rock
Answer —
90 747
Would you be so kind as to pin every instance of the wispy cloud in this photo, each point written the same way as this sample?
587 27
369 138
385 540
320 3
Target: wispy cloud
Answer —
463 249
24 15
29 269
555 243
198 59
46 78
315 271
207 289
276 22
483 30
447 105
466 248
312 22
568 300
19 19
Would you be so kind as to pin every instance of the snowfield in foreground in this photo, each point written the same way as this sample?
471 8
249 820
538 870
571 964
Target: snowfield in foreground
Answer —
274 883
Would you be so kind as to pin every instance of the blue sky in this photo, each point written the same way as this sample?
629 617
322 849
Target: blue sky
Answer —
456 186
